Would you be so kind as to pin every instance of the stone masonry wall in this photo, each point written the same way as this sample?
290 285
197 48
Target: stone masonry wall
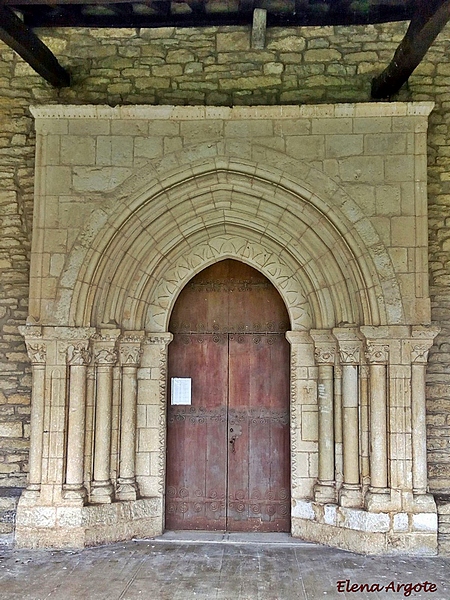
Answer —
213 66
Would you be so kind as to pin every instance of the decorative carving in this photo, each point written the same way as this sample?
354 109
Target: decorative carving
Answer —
419 353
228 285
179 414
105 356
294 420
154 339
37 353
130 354
78 354
162 415
271 265
267 328
325 354
377 353
255 416
350 355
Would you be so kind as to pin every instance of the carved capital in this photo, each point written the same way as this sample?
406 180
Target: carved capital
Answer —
419 353
37 353
130 353
105 355
158 339
325 354
78 354
377 353
350 354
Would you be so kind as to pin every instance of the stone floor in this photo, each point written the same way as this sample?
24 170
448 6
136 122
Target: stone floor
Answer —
216 566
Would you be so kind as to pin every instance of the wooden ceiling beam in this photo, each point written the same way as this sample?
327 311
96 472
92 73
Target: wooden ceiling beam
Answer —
427 22
26 43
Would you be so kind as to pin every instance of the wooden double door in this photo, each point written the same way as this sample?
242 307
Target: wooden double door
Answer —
228 444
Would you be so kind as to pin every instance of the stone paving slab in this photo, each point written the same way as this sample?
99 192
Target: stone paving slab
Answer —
216 567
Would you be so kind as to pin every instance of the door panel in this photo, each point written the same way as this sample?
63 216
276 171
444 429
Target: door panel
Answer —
258 469
228 453
196 477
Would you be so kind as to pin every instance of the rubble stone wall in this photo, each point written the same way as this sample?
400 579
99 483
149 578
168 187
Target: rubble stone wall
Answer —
212 66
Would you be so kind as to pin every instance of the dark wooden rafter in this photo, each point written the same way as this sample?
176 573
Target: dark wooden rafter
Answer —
26 43
427 22
198 13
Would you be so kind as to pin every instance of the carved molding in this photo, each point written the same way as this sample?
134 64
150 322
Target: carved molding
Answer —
294 421
258 256
158 339
162 418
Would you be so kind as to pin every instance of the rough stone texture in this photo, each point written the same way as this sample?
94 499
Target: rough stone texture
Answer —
443 513
213 66
75 527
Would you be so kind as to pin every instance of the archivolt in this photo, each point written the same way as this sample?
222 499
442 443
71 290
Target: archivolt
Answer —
151 243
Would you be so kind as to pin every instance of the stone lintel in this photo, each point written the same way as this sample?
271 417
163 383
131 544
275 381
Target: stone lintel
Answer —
350 110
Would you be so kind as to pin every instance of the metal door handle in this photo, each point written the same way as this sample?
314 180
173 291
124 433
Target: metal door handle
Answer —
232 442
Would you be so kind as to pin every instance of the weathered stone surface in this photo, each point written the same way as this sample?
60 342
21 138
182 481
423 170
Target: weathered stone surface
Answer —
322 64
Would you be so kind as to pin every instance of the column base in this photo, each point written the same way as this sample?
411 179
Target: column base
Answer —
102 492
378 499
74 492
82 526
424 503
350 496
32 491
126 489
325 492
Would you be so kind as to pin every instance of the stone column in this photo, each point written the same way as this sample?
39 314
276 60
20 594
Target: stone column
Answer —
324 354
420 347
151 451
304 422
338 467
37 352
130 353
364 426
377 355
78 357
350 357
105 357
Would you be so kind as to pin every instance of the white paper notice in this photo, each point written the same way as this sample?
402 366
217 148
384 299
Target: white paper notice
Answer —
181 390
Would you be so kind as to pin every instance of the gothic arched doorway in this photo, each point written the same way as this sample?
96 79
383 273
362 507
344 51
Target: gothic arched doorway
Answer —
228 444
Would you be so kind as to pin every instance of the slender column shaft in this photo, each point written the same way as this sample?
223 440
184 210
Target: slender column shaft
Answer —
76 429
418 416
350 424
102 456
127 469
128 423
326 426
36 426
378 427
102 489
338 422
364 423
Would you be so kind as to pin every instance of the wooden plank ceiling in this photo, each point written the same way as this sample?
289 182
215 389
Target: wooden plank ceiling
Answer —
19 18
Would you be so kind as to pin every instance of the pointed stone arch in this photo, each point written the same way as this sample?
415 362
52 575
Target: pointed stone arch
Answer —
117 269
112 249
